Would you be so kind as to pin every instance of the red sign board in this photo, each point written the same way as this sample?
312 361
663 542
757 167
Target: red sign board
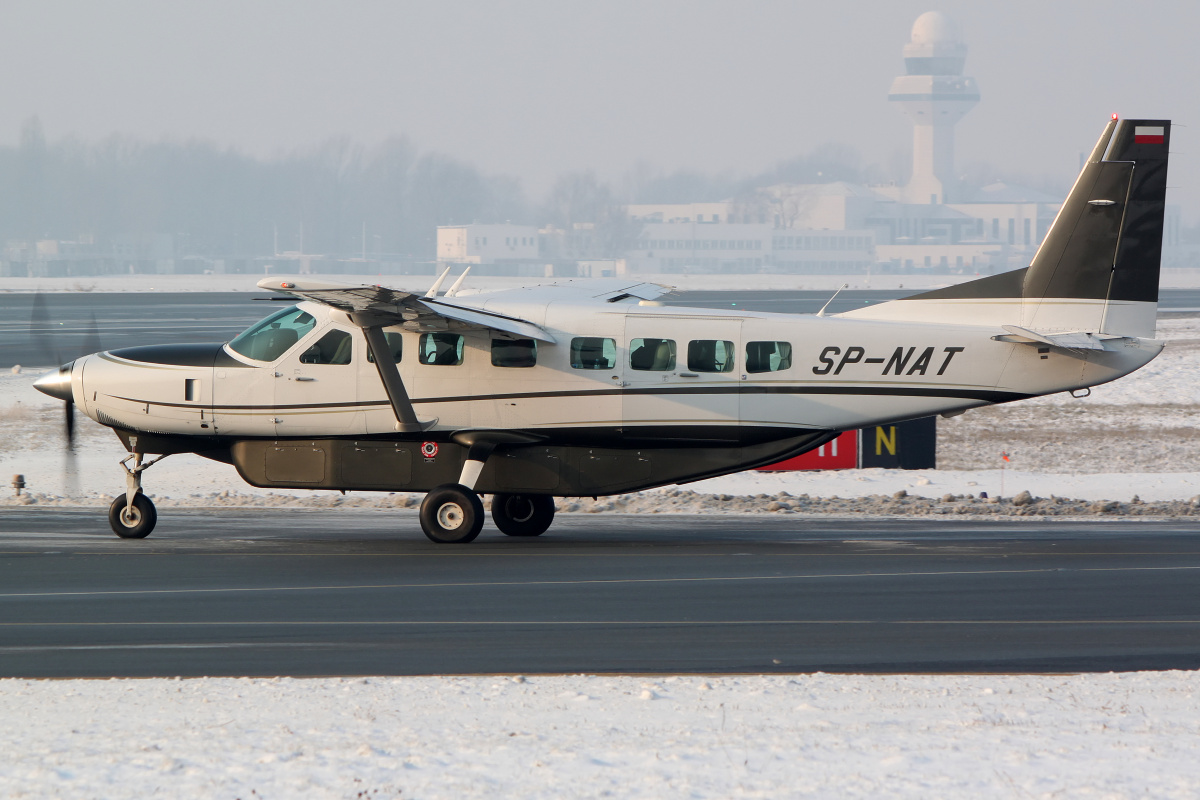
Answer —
841 453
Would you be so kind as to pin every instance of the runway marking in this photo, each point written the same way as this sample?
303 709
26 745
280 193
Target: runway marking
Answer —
583 623
592 581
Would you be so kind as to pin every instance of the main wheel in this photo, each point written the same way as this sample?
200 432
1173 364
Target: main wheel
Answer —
451 514
522 514
132 523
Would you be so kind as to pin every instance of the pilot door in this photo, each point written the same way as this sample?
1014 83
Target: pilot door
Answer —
682 378
316 386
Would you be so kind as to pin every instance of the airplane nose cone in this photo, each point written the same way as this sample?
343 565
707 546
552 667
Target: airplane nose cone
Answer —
56 384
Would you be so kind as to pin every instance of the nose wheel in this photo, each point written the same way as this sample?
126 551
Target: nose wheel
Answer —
132 515
132 521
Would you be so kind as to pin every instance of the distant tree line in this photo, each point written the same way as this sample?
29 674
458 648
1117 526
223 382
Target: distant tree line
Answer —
219 202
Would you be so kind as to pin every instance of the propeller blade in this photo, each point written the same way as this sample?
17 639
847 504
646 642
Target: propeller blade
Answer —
69 423
70 480
40 332
91 339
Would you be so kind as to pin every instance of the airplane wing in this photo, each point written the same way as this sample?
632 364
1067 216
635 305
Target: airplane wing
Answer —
412 311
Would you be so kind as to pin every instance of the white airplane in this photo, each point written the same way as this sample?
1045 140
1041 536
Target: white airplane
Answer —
595 388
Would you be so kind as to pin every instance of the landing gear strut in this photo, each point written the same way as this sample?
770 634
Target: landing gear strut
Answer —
132 515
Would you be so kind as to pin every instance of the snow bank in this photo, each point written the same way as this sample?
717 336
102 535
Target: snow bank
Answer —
1080 736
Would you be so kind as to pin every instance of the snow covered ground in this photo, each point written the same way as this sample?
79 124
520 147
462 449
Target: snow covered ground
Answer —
834 736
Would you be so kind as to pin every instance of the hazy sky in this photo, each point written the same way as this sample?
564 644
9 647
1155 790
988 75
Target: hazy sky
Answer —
534 88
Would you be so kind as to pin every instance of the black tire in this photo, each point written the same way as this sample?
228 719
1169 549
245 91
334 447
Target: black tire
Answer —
451 514
522 514
139 524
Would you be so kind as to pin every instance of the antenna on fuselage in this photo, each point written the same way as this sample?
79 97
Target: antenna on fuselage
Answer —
453 290
821 313
437 284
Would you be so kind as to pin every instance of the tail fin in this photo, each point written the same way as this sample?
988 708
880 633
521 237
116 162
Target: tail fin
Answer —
1097 269
1106 242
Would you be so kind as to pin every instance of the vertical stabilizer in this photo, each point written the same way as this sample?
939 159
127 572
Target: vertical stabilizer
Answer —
1098 267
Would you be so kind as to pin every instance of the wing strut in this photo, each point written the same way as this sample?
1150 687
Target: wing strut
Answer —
406 417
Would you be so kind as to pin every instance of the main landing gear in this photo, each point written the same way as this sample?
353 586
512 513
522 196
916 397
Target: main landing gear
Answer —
522 514
453 514
132 515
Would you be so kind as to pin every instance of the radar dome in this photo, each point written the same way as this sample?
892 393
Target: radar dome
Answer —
934 27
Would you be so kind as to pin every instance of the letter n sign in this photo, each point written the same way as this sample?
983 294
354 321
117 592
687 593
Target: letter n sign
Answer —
903 445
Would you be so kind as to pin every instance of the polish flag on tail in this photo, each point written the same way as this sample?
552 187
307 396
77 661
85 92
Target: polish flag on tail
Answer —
1148 134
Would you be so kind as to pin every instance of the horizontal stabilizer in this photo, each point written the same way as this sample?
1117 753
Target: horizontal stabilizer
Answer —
1070 340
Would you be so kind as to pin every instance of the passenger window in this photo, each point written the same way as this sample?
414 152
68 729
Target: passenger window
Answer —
514 352
652 354
593 352
768 356
334 347
395 346
275 335
441 349
710 355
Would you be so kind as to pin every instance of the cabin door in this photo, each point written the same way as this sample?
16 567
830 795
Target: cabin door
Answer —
316 385
682 378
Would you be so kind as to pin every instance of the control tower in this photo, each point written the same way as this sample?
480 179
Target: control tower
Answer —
935 95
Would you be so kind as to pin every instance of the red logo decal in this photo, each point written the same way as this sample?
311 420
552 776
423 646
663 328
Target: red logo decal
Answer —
429 449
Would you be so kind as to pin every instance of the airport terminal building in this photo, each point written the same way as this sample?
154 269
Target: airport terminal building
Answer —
929 224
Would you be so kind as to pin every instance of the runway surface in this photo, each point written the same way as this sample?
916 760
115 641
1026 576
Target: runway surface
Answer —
283 592
60 333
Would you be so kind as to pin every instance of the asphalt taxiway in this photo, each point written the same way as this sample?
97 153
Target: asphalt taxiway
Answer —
294 592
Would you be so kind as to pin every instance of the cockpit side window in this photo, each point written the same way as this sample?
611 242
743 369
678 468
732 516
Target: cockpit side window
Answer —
274 336
335 347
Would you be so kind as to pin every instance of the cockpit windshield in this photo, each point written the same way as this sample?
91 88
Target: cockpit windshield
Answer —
271 338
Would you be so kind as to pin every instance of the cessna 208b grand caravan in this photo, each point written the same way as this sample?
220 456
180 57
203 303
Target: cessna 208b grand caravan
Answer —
595 388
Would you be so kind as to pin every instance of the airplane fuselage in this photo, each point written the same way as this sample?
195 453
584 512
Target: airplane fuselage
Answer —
778 384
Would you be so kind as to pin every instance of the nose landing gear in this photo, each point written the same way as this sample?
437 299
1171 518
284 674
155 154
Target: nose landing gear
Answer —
132 515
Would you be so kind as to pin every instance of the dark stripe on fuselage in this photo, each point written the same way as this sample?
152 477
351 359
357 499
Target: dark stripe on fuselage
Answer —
986 395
